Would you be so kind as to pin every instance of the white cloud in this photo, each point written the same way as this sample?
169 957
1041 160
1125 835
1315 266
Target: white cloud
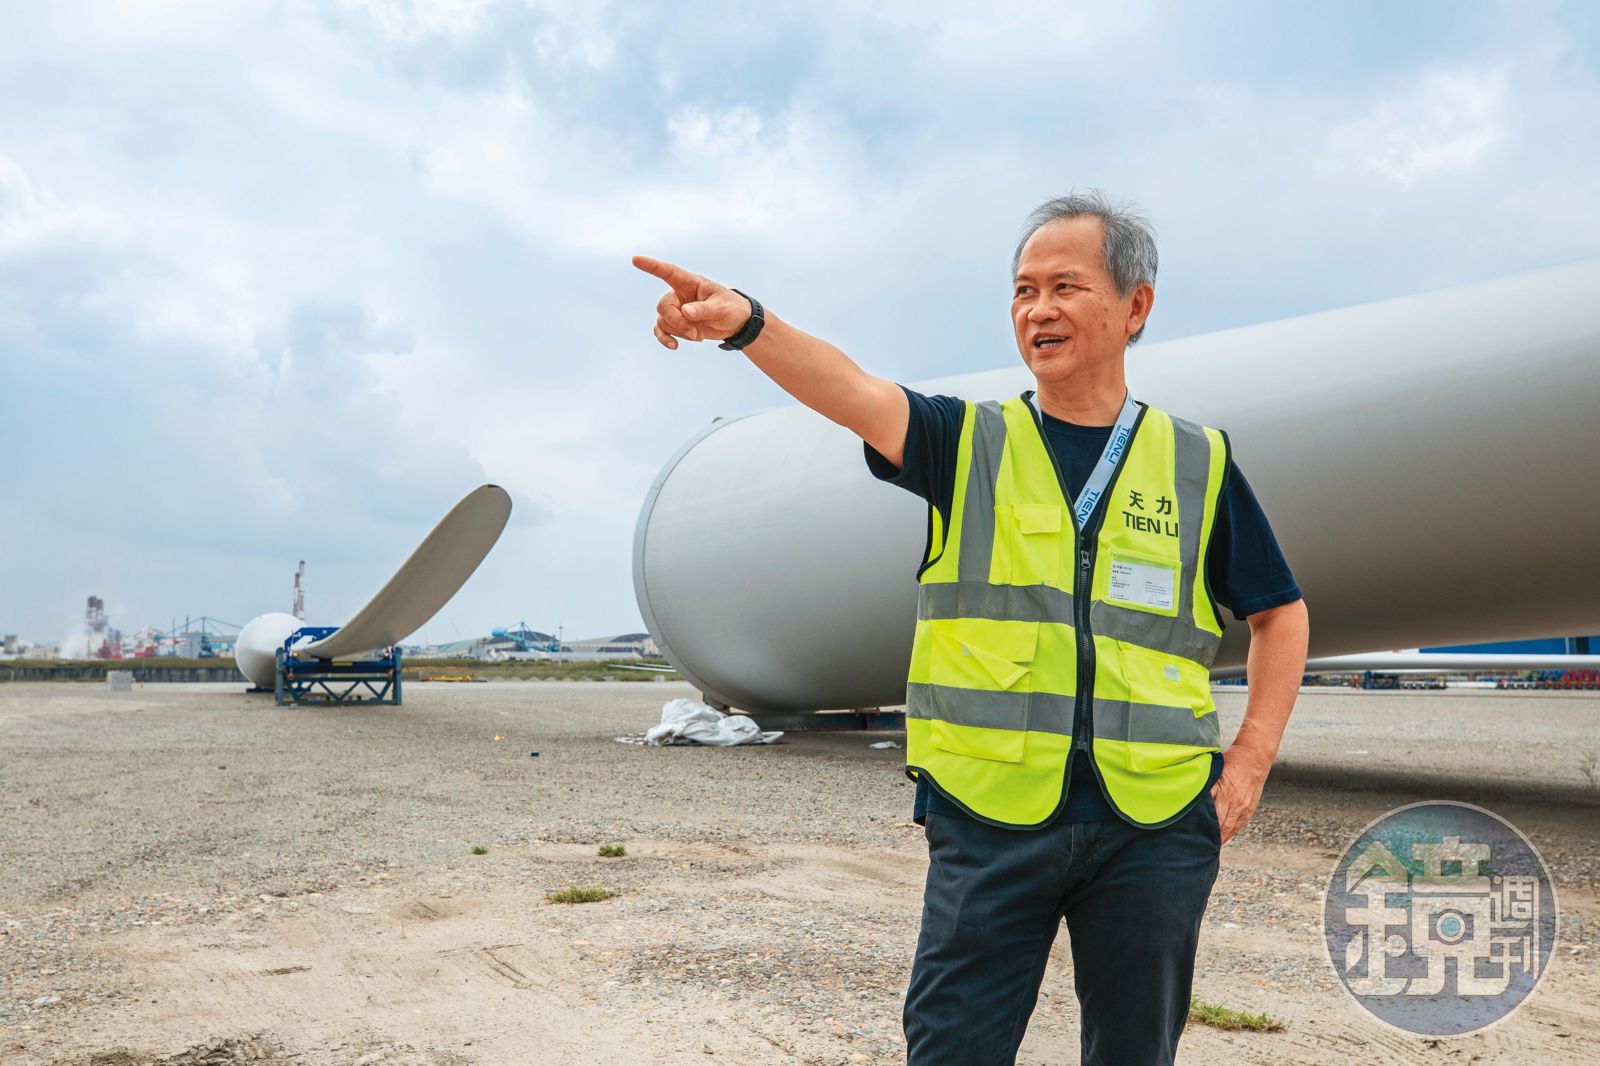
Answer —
730 133
412 20
1444 126
33 218
734 171
115 25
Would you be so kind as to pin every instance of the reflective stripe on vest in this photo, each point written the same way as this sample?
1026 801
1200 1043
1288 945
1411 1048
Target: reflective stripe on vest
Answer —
996 661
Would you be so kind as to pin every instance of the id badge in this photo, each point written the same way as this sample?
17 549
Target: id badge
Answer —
1148 584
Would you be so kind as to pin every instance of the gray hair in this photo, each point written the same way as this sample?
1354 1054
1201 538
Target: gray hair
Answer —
1130 251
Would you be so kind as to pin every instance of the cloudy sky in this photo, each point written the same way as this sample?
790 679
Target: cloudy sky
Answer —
284 281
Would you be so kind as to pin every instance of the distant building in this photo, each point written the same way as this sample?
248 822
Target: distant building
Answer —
14 647
638 645
526 644
455 649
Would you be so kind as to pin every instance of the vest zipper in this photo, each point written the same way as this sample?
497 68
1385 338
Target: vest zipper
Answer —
1080 610
1080 598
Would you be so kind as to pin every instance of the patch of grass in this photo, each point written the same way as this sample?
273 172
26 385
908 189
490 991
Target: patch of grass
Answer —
479 849
1227 1018
1589 764
612 851
579 894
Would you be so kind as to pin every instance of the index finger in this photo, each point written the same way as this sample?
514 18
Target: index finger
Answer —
675 276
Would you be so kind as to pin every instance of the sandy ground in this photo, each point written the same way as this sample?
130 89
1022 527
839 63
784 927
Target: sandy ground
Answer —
190 875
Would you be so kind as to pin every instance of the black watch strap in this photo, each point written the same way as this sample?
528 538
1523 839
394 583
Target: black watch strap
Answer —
752 328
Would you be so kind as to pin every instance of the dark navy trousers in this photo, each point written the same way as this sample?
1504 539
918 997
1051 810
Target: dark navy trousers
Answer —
1132 900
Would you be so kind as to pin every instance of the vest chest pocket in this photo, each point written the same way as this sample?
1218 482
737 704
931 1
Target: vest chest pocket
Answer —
1029 543
984 688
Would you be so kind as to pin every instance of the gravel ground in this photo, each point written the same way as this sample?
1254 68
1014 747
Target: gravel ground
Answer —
190 875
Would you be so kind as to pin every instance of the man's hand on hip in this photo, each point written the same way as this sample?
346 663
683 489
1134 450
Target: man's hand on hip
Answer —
1277 661
694 308
1238 790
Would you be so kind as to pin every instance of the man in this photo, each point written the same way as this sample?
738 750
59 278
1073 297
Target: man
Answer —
1060 726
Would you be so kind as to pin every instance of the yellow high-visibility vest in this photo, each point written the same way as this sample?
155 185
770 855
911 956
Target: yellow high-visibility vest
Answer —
1027 626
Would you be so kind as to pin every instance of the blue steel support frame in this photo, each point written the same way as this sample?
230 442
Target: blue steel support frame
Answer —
336 682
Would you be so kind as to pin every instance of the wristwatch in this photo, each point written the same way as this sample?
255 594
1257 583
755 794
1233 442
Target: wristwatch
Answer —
752 328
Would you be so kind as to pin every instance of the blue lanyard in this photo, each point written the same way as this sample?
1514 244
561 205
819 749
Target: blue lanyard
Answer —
1100 477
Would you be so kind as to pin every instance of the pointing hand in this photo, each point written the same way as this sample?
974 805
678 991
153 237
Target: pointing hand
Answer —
694 308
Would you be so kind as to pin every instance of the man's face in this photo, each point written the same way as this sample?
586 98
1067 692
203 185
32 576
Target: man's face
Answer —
1064 307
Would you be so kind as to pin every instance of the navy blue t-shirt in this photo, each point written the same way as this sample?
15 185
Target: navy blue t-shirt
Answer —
1244 565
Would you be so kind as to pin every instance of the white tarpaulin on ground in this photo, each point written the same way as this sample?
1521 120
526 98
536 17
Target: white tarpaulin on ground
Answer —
685 721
